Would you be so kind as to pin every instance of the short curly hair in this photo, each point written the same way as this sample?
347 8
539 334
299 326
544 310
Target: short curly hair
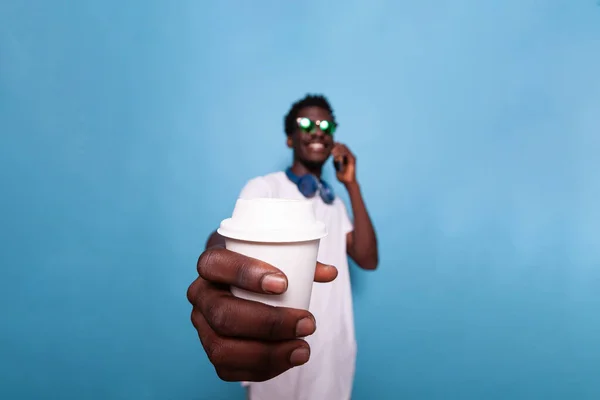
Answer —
309 100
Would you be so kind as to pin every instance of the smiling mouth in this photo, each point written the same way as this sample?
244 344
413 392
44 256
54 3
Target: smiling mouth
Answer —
316 146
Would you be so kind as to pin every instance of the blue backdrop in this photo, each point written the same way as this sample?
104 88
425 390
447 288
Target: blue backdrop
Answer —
128 129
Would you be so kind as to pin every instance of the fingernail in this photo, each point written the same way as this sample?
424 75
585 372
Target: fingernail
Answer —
299 356
306 326
274 283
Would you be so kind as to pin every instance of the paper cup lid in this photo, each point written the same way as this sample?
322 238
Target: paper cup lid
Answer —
273 220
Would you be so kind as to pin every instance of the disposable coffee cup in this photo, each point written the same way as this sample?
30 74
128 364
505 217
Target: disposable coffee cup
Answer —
284 233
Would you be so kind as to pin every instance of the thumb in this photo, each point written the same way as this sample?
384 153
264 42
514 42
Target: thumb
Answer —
325 273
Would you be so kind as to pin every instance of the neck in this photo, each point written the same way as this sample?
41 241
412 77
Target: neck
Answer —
301 168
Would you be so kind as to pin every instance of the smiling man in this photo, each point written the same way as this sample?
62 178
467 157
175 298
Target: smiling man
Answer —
256 343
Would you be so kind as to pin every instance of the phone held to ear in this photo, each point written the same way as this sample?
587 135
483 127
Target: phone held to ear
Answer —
340 164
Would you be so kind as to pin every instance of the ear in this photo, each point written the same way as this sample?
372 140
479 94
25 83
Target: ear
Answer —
289 142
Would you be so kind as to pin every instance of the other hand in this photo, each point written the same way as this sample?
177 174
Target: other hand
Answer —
347 172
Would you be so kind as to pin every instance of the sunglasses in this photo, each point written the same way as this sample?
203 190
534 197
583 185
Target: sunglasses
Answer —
309 126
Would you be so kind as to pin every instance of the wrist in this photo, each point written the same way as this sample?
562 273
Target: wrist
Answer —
352 186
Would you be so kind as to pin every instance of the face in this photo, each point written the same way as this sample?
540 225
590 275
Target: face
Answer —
312 147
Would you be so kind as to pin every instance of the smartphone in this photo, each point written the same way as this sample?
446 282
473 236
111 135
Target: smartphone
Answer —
339 164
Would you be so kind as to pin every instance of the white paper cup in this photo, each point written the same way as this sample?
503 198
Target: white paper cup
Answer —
283 233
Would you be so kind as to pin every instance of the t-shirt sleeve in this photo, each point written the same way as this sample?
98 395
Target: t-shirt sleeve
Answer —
347 225
255 188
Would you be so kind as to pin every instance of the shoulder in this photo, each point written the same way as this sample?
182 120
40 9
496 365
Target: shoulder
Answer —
271 179
274 177
262 186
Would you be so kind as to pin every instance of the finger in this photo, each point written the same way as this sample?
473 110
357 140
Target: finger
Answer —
338 150
338 155
260 361
325 273
230 316
192 292
345 151
246 360
343 154
229 268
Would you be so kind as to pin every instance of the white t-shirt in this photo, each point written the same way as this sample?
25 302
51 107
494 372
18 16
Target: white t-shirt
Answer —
329 373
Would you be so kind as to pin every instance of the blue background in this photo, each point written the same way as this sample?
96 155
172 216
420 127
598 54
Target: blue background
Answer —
128 129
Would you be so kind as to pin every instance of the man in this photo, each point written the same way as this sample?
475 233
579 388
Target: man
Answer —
255 343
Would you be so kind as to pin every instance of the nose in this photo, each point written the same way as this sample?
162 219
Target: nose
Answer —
319 132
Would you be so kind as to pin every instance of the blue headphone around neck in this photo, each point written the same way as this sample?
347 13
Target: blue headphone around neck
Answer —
309 185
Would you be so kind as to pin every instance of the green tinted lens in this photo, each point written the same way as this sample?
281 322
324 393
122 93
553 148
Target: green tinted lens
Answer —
327 127
305 124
